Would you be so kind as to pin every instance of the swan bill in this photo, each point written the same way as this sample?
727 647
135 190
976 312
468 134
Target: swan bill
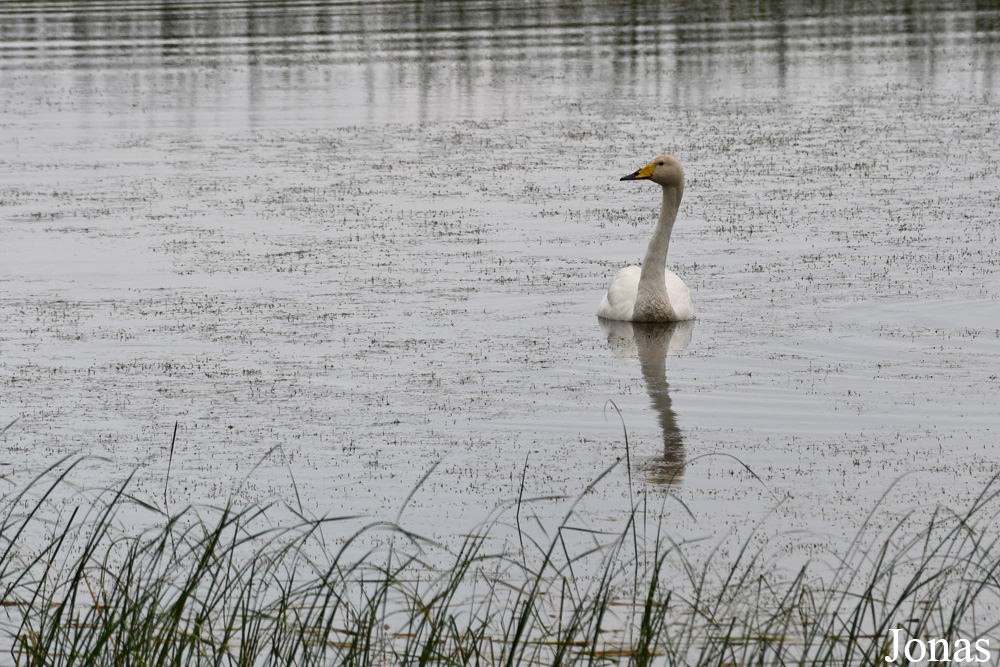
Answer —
645 172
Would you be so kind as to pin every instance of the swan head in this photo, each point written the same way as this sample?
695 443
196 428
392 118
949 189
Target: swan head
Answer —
664 169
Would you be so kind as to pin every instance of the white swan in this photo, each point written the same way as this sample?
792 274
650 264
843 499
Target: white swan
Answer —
652 293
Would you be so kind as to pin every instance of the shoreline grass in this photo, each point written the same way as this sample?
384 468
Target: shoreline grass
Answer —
223 586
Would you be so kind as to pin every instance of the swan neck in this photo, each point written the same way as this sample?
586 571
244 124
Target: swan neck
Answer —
654 264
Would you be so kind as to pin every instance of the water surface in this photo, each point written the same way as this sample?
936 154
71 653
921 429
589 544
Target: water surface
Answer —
347 241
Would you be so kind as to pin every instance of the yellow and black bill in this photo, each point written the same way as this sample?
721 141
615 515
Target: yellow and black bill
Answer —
645 172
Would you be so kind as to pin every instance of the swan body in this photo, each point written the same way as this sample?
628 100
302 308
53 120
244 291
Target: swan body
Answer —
653 293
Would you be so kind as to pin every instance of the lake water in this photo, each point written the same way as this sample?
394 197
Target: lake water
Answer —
338 243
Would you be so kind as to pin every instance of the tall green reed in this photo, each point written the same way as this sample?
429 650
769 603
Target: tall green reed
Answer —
224 586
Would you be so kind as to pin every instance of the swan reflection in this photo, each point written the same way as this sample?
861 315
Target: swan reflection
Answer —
653 343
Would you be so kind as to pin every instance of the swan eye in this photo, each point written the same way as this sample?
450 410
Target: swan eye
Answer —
661 164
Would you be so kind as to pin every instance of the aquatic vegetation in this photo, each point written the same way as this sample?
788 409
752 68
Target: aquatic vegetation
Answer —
225 585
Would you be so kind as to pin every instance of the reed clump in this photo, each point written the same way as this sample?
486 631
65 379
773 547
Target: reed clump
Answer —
225 586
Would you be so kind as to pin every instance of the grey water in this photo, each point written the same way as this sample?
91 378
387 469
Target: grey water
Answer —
338 243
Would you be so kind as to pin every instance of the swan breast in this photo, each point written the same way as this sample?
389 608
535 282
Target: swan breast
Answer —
623 301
